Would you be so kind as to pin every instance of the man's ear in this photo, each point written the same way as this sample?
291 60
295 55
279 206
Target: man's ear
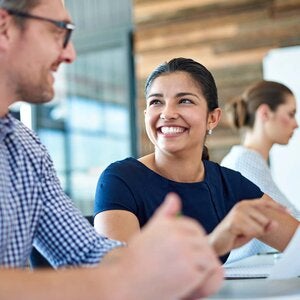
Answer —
5 22
213 118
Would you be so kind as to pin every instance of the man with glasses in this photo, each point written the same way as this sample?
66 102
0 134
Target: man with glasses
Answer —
68 27
170 259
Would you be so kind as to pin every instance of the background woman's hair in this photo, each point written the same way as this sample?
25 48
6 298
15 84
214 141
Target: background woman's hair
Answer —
200 75
241 110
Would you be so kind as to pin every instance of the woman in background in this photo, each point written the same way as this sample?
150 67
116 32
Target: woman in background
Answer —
181 110
266 111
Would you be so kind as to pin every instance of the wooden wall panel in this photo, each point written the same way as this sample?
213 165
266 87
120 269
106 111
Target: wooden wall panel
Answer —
230 37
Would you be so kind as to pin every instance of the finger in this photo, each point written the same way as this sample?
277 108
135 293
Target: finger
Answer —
269 202
264 203
273 225
250 233
251 229
248 225
240 241
204 259
199 243
258 215
171 206
209 285
189 226
257 210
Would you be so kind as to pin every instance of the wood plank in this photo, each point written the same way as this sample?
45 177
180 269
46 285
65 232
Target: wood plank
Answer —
286 5
152 14
201 30
146 63
257 31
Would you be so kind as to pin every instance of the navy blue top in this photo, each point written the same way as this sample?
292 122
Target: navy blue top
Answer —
130 185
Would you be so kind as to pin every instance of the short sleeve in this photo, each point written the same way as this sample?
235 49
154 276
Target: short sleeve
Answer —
113 193
248 189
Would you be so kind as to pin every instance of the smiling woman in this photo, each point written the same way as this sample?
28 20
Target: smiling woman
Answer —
177 116
181 109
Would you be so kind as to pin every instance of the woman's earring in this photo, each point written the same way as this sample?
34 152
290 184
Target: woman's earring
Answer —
209 132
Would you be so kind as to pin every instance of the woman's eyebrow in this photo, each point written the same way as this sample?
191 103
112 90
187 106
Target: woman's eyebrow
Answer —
186 94
181 94
155 95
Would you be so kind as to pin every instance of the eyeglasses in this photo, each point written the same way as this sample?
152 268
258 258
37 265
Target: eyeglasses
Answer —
69 27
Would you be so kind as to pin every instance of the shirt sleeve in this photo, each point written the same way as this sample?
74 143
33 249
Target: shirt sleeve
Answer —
63 235
113 193
248 189
259 173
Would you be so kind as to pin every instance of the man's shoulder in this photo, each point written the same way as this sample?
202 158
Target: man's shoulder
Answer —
22 131
25 138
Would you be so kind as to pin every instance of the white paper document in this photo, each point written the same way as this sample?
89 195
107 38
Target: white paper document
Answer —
288 265
279 266
261 271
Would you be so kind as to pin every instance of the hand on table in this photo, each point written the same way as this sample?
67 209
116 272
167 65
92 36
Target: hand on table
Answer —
247 219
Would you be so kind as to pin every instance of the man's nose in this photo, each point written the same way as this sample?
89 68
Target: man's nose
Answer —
68 54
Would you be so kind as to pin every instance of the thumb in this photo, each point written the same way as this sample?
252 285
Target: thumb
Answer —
171 206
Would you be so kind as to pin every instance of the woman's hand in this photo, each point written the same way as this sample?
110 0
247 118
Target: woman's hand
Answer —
247 219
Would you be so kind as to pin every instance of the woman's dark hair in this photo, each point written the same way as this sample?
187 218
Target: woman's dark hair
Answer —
241 110
200 75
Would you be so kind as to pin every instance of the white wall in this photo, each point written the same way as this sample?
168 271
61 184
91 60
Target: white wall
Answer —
283 65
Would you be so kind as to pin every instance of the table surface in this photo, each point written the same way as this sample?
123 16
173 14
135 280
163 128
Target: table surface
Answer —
258 288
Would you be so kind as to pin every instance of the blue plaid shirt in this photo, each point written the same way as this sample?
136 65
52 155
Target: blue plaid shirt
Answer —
35 210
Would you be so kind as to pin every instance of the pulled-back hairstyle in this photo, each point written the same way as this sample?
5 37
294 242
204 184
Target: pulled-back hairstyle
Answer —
19 5
241 110
200 75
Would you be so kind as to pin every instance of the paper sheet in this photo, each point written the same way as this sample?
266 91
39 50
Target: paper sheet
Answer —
262 271
283 266
288 265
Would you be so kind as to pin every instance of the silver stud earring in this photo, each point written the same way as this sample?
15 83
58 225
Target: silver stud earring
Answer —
209 132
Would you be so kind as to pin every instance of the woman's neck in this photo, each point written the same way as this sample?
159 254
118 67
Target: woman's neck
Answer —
259 143
175 168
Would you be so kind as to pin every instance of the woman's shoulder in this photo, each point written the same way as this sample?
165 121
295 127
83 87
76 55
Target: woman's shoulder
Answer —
215 170
232 181
129 168
123 165
239 156
223 177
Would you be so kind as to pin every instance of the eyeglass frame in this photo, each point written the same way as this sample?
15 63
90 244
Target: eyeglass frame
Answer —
69 27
